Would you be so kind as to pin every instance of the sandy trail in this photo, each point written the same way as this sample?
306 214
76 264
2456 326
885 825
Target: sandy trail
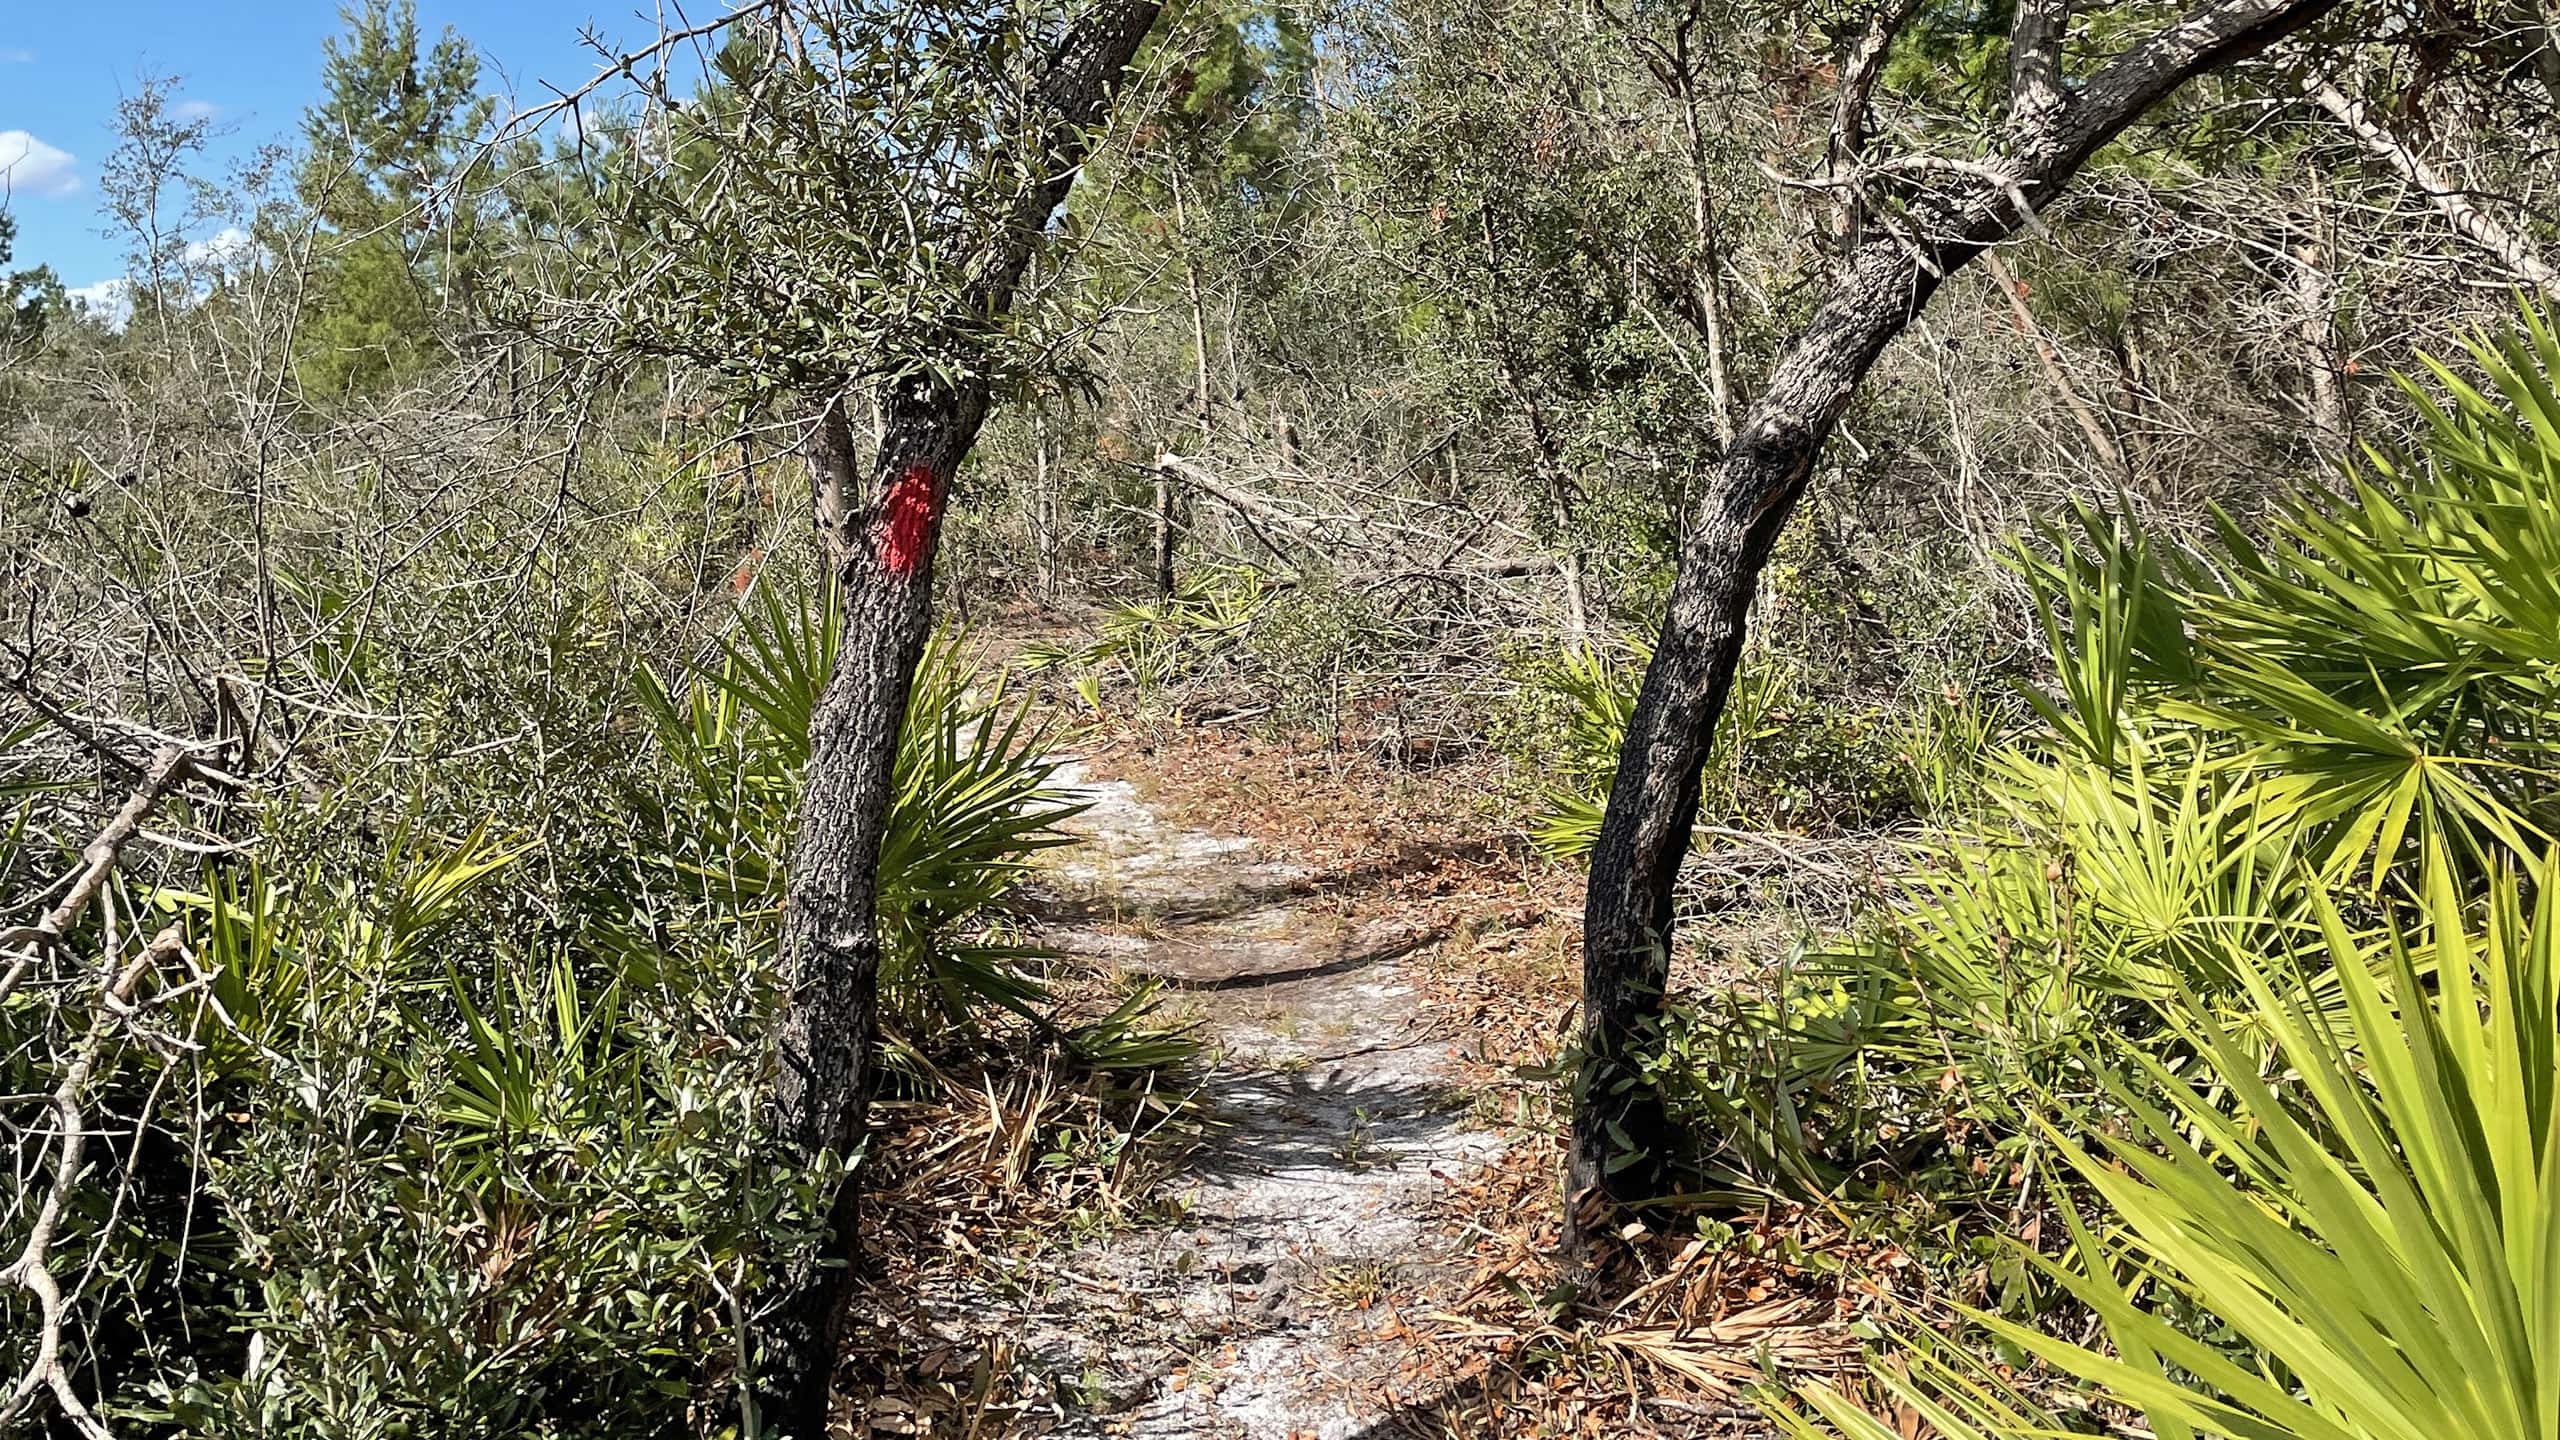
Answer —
1339 1115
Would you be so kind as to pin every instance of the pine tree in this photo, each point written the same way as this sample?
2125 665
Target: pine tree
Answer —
389 144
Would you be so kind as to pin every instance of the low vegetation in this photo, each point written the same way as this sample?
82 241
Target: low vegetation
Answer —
552 648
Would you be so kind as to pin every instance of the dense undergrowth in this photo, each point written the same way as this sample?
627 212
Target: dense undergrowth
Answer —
2167 1023
2195 998
2227 988
499 1056
489 1076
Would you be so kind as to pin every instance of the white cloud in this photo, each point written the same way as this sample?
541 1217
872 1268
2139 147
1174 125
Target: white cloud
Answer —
30 166
195 109
223 251
109 302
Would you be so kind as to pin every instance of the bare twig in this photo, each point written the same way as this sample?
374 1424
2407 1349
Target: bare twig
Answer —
2452 201
172 766
2006 282
32 1271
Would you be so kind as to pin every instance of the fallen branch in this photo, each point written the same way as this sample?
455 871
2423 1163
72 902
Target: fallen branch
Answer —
1198 476
32 1271
169 768
1252 508
22 683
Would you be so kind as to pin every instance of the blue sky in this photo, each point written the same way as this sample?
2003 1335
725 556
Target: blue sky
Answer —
254 63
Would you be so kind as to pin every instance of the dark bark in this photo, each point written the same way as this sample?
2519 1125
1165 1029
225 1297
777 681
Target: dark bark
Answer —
881 548
830 931
1861 68
2037 29
1163 570
1621 1135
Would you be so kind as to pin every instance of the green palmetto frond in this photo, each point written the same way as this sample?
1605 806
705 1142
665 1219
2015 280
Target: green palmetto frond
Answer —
2109 614
2395 1248
2363 1194
433 883
975 799
1599 685
539 1069
2386 662
2117 888
1955 1396
1156 641
262 941
246 941
2281 953
778 660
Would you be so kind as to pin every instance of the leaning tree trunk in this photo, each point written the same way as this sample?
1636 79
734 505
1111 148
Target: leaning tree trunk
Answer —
830 926
880 525
1622 1138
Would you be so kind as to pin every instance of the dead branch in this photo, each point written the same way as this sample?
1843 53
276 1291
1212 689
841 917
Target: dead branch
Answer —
1382 565
2452 201
32 1271
2006 282
171 767
628 66
21 682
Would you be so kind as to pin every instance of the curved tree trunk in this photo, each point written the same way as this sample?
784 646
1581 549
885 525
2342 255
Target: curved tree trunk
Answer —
1621 1137
880 525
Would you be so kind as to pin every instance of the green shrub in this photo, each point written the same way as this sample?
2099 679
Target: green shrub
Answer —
1153 643
469 1136
1781 760
461 1179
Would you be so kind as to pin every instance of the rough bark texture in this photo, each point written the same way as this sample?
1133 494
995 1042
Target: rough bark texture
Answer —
1621 1138
2036 32
830 930
882 552
1861 67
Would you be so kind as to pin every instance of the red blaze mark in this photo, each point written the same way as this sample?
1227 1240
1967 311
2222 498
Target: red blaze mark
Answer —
907 514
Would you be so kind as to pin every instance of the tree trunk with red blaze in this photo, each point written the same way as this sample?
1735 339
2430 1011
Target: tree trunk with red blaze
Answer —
881 549
830 934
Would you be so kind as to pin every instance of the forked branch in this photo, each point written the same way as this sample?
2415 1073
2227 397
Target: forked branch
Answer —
32 1270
